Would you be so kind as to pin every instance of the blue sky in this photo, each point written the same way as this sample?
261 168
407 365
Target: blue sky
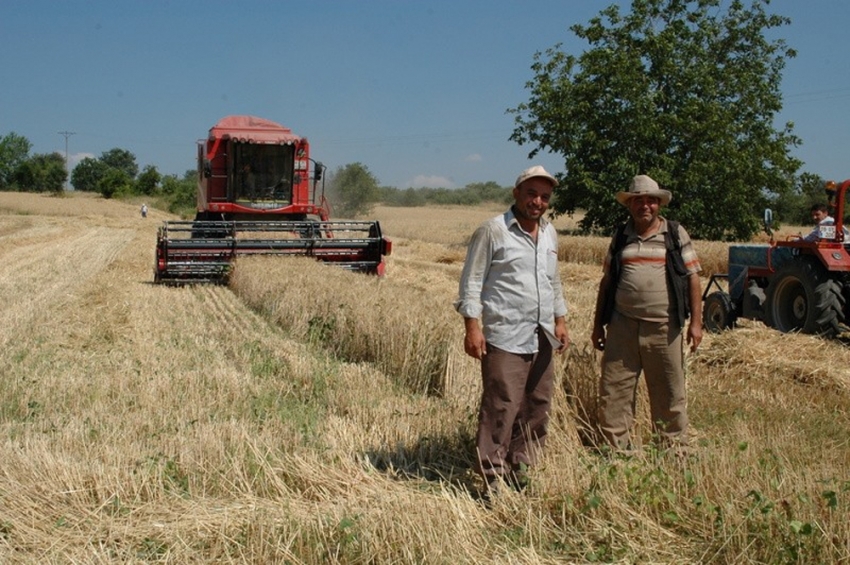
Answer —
416 91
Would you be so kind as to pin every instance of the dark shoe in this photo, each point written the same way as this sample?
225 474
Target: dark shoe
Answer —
494 486
492 489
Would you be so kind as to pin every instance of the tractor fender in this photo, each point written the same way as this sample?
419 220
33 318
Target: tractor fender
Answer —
834 258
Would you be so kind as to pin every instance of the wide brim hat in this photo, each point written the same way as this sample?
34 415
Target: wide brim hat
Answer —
643 185
535 171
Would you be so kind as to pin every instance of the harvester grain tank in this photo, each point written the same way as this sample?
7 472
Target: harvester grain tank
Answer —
260 193
791 285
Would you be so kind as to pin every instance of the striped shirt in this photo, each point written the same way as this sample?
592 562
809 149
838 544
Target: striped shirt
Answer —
642 292
512 283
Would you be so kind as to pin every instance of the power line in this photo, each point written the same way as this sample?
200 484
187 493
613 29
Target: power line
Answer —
67 134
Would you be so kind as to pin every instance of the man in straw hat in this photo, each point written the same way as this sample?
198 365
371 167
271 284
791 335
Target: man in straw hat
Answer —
650 281
510 280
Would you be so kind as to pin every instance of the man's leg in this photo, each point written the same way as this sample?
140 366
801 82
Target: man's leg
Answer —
529 431
503 377
621 366
664 370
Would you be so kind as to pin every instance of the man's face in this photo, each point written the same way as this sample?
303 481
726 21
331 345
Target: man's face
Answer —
532 198
818 216
644 208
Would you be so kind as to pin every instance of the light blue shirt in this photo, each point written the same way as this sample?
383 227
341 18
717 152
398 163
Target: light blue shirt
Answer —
512 283
815 234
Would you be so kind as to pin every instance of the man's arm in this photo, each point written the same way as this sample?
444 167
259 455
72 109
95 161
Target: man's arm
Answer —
695 325
597 336
468 304
473 342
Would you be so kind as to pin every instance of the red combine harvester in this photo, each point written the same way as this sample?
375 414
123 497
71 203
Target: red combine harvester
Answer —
259 194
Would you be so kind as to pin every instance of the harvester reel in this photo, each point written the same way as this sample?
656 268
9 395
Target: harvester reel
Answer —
718 313
803 296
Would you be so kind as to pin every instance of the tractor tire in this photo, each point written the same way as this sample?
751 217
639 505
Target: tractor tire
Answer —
718 313
803 296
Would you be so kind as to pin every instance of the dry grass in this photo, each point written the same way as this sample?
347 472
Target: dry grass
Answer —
308 415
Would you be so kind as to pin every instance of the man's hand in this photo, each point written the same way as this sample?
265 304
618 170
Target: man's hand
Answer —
597 337
694 334
473 342
562 334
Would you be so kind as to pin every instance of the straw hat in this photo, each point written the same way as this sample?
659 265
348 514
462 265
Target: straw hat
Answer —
535 171
642 185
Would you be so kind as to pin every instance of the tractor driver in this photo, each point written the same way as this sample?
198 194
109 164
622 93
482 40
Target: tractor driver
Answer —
821 217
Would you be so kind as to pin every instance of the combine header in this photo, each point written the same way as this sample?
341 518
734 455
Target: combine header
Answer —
259 194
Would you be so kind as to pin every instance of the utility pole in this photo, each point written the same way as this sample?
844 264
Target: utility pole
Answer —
67 134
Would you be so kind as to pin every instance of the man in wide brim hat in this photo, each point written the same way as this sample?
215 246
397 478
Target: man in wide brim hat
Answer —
642 185
649 292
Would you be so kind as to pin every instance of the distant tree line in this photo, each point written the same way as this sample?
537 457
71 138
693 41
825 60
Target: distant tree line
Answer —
352 189
470 195
114 174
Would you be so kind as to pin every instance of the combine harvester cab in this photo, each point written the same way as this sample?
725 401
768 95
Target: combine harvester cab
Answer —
792 285
259 193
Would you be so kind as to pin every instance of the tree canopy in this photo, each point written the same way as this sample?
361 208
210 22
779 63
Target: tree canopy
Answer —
87 173
685 91
353 189
122 160
115 171
148 180
43 172
14 150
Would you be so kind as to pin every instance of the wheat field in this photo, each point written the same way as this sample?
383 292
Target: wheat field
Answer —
304 414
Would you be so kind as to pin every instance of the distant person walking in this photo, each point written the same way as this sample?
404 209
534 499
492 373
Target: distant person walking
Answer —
650 280
144 210
510 280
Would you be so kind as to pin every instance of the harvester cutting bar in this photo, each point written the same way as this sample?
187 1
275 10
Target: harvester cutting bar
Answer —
202 251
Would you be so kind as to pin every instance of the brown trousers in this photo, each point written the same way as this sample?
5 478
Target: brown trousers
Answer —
515 404
632 346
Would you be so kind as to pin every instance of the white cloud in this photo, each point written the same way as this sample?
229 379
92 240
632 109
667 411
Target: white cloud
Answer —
74 159
430 181
474 158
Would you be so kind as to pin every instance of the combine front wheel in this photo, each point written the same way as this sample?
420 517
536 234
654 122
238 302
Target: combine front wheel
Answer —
718 314
802 296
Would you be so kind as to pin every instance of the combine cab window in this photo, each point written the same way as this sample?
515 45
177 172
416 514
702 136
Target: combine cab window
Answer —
262 174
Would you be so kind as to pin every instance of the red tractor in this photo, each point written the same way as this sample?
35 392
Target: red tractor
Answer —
259 192
791 285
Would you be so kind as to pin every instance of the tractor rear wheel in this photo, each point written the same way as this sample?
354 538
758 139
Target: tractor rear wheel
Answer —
718 314
804 296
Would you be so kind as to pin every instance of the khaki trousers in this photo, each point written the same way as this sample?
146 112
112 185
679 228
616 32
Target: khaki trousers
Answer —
632 346
515 404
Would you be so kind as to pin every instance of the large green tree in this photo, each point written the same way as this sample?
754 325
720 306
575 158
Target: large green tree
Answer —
88 173
353 190
148 180
685 91
122 160
113 182
41 173
14 150
181 193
